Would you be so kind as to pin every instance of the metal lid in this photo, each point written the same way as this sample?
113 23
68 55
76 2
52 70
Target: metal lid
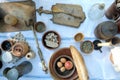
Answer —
109 28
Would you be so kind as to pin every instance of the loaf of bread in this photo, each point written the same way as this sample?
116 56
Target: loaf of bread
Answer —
79 63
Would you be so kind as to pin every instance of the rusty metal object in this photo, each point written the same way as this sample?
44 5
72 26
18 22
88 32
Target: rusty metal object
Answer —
66 14
24 11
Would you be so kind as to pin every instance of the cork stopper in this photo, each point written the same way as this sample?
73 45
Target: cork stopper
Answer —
101 6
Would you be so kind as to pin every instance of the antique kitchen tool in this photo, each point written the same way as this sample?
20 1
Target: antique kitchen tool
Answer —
39 50
66 14
15 16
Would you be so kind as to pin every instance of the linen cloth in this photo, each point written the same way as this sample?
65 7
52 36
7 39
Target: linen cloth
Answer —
98 64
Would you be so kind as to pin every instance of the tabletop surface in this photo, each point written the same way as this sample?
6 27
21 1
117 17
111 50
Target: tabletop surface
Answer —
98 64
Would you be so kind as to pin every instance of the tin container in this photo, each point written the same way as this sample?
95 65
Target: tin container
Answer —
106 30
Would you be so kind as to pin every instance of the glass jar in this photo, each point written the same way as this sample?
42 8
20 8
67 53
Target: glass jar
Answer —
96 11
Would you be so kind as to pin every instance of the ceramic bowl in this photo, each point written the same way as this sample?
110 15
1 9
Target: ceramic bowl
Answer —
49 41
56 74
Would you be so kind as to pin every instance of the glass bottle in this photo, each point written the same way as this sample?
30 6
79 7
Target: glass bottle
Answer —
96 11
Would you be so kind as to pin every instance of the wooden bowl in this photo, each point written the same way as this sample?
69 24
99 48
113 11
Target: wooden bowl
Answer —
45 43
54 58
79 37
66 73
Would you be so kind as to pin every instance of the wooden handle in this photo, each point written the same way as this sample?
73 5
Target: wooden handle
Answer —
104 44
79 63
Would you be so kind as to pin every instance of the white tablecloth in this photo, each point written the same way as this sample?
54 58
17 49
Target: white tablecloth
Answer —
98 64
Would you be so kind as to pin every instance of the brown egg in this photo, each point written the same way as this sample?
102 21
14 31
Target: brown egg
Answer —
59 64
68 65
62 69
63 60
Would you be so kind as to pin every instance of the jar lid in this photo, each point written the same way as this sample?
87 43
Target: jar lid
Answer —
109 28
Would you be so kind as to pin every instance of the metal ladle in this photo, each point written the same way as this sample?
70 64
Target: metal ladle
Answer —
44 67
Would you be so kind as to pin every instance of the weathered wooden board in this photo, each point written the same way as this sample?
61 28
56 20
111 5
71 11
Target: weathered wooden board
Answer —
24 11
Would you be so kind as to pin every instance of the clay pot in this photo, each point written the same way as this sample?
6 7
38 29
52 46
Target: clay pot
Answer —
62 52
106 30
20 49
52 40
